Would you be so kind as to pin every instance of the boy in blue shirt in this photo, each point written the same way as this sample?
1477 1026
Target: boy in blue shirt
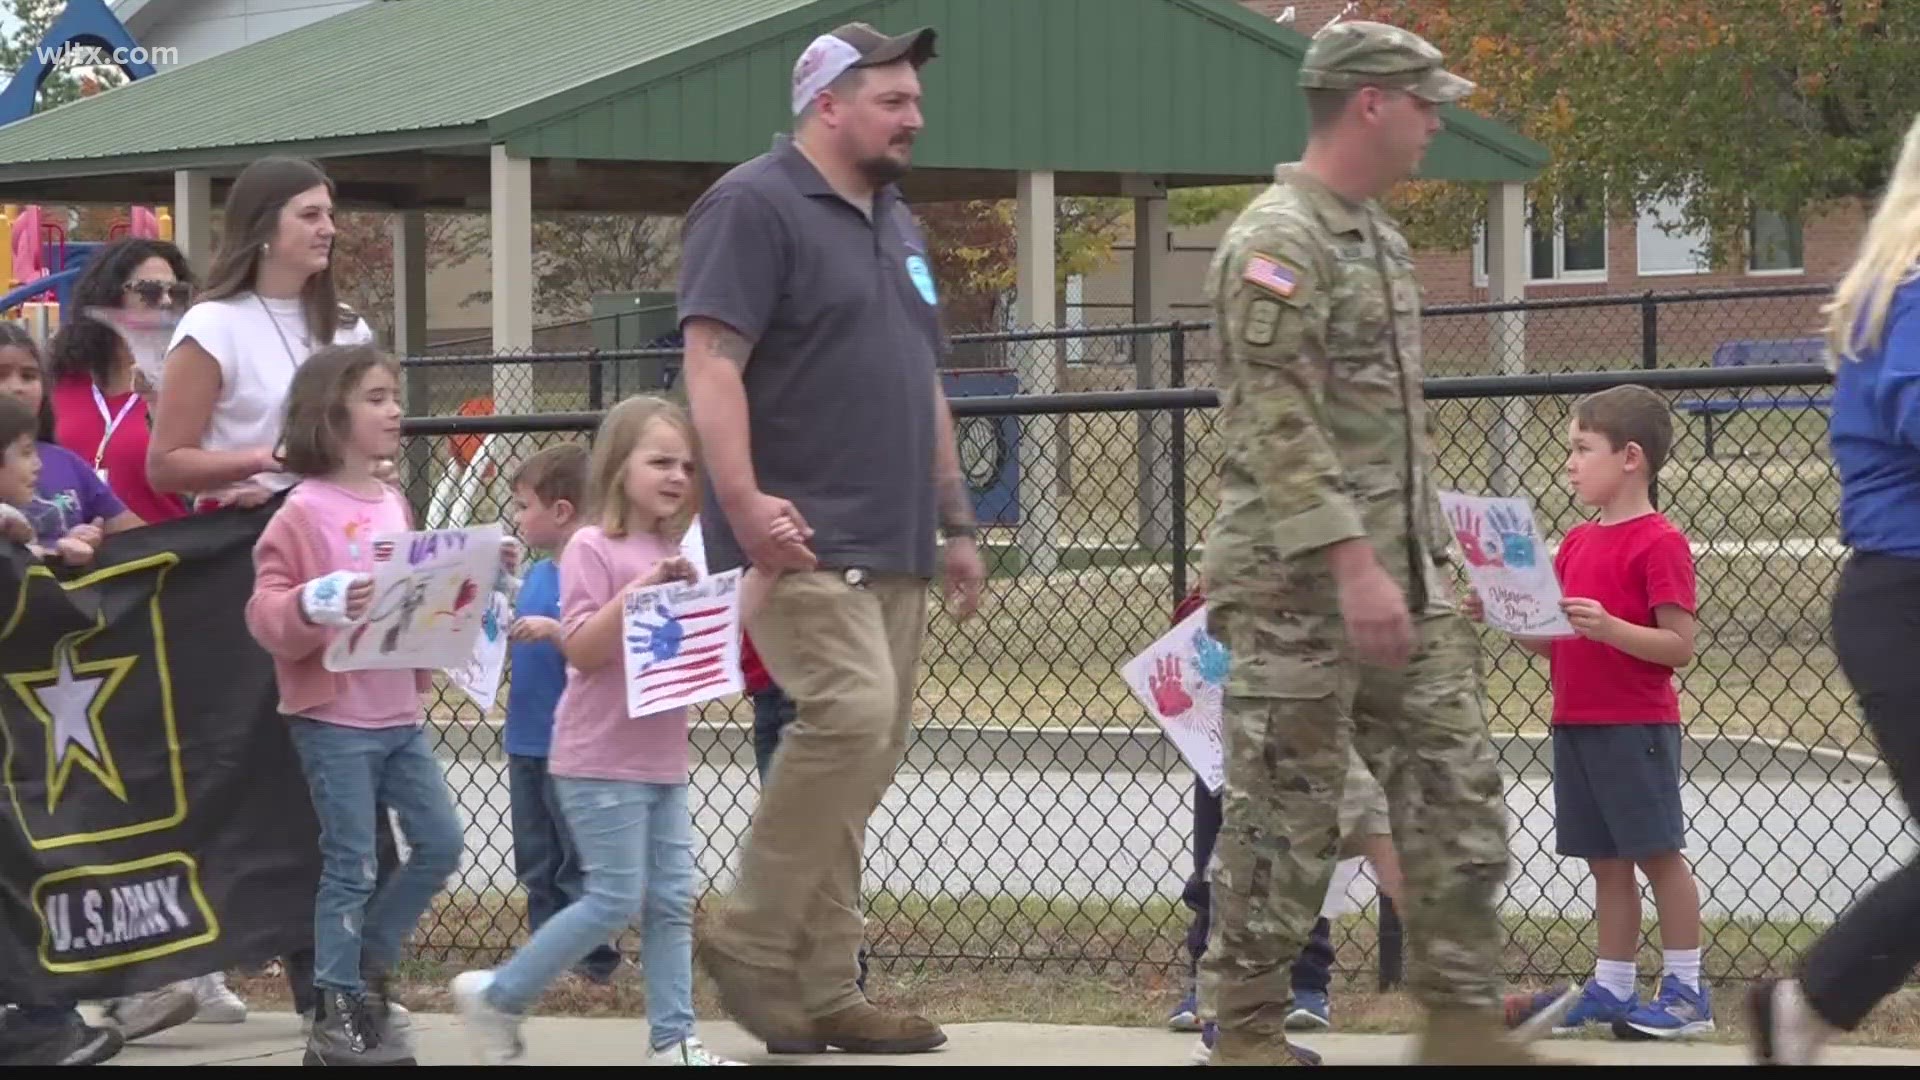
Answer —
547 494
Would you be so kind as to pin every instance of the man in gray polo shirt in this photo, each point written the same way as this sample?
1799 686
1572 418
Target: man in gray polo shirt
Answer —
813 338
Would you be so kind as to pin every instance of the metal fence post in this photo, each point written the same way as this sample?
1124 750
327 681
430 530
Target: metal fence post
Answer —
596 382
1649 332
1177 483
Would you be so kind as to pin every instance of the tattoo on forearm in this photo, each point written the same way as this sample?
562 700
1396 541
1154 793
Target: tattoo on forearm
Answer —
956 503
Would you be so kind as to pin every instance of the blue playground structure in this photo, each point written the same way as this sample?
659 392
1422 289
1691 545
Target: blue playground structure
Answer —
57 261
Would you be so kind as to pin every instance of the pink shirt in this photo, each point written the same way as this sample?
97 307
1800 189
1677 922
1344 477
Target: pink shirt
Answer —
593 738
344 525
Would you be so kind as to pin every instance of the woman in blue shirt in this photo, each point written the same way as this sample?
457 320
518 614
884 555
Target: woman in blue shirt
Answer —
1873 339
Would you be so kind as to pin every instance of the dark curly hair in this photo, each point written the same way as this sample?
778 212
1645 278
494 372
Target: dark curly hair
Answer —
84 346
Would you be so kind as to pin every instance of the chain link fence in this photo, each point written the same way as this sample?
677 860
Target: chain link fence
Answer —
1041 818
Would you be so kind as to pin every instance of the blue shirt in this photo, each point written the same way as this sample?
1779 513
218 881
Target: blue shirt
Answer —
538 670
1875 436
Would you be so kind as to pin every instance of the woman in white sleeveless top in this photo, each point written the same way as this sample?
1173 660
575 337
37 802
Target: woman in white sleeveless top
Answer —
267 304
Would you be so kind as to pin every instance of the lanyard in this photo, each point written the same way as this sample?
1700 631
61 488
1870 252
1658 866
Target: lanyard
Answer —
113 422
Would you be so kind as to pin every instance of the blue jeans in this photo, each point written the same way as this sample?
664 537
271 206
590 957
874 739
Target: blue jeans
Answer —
636 846
348 770
544 858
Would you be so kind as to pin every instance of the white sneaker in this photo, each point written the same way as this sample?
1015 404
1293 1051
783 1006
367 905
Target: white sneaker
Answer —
688 1051
218 1005
495 1034
398 1018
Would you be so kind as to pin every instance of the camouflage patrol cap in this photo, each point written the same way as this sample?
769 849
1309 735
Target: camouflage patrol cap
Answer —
1349 55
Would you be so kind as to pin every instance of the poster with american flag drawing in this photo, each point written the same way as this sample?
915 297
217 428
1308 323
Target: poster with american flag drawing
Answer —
681 642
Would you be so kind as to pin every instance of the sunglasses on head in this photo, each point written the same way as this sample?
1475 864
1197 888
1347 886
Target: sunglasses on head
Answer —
150 292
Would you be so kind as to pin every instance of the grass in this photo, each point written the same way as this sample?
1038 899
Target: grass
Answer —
1063 973
1047 650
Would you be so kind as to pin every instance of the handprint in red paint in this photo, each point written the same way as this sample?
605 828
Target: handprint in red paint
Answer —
1169 689
1466 529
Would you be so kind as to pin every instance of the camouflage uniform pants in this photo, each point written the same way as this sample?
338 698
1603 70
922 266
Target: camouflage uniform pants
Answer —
1422 732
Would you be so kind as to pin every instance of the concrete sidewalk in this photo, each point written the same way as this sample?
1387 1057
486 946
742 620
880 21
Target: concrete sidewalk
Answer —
274 1039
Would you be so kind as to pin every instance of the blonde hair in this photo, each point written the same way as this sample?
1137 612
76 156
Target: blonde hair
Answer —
1857 314
620 431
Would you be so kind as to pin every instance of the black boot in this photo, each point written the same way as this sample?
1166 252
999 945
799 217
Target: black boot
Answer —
346 1032
66 1040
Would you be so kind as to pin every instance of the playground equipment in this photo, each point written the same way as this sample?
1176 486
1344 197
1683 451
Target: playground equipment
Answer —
38 264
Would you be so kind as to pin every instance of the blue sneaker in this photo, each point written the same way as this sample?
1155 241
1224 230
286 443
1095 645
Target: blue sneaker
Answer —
1565 1010
1679 1011
1186 1015
1203 1050
1311 1012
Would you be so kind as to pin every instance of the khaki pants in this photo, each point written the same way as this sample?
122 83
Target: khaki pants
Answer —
849 658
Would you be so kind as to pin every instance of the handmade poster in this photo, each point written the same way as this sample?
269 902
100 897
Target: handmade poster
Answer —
430 596
1181 679
693 546
1507 562
682 643
479 677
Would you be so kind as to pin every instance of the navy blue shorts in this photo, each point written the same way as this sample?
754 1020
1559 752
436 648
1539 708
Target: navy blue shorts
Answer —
1616 790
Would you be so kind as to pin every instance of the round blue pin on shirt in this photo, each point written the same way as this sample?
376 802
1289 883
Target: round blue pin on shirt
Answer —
922 278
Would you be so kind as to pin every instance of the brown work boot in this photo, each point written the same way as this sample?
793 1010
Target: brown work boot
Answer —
1471 1037
763 1001
1245 1046
864 1029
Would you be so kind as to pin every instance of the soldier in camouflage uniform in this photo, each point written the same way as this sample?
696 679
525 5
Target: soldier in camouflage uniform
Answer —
1325 564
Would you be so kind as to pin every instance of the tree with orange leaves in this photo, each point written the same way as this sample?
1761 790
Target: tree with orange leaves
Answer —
1728 106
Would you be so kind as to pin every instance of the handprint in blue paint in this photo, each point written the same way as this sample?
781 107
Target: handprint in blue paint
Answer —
662 639
1209 657
1516 535
490 621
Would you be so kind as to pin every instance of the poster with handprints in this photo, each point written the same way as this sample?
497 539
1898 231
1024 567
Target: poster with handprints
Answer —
479 677
1507 562
430 596
682 643
1181 679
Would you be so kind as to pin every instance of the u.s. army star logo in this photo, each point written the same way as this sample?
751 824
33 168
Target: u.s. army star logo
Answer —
104 692
68 699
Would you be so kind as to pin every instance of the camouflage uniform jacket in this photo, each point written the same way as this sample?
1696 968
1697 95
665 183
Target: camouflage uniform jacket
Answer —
1323 416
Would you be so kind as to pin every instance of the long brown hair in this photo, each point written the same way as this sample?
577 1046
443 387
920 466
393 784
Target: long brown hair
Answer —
317 417
252 219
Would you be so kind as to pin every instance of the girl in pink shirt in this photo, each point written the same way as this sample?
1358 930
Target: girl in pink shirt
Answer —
621 780
359 734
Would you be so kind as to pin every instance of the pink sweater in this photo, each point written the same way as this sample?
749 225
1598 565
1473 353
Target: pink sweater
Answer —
285 558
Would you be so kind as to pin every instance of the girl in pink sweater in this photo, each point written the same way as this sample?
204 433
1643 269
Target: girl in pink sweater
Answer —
359 734
621 780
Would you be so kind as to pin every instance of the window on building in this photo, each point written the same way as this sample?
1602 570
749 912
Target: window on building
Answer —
1667 248
1775 244
1556 254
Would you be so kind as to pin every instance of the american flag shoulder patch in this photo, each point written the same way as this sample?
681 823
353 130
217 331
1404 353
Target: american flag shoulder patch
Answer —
1272 275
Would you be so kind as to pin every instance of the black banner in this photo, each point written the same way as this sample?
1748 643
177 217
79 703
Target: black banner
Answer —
154 823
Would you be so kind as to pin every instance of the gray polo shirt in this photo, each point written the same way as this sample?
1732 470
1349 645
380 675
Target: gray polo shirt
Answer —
848 336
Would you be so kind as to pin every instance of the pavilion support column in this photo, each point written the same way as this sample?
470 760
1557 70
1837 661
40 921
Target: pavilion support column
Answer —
1037 362
409 233
1507 330
511 218
193 218
1152 362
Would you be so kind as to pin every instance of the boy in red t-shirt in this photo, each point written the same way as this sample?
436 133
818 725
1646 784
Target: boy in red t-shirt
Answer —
1628 580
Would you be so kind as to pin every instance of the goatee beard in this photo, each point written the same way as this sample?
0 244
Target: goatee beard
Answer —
881 171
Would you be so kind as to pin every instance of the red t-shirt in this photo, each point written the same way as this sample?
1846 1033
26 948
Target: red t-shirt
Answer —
1630 568
78 426
752 671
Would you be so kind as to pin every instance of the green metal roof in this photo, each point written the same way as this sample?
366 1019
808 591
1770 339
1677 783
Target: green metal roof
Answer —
1200 89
